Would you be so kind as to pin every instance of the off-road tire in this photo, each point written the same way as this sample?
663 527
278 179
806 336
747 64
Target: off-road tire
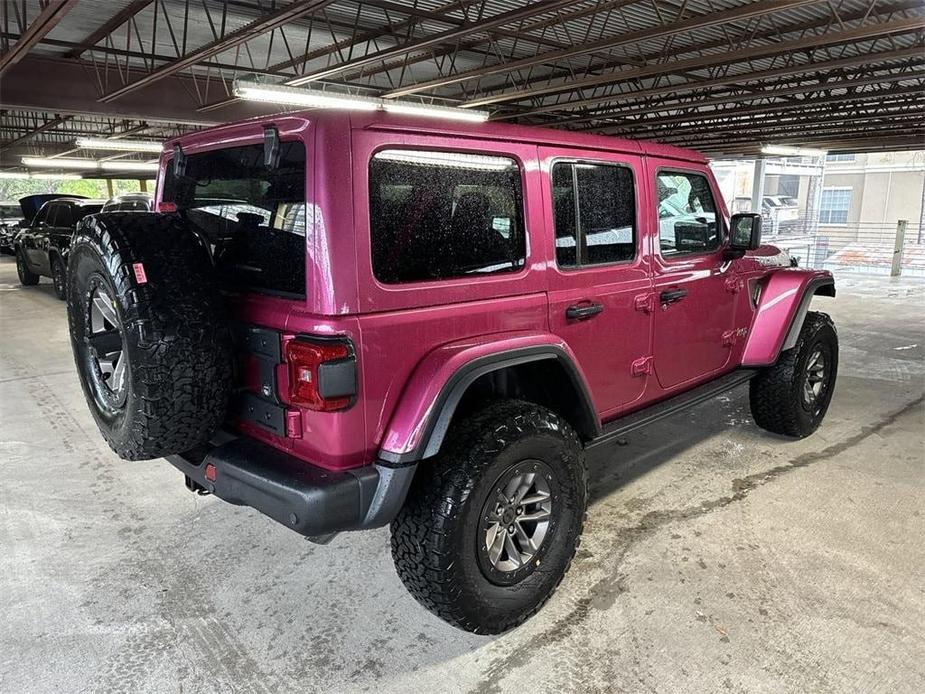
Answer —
59 277
776 393
175 334
27 278
435 535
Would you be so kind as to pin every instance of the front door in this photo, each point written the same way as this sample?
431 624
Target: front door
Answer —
600 275
694 286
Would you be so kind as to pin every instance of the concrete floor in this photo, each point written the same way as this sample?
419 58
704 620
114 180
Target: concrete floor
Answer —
716 557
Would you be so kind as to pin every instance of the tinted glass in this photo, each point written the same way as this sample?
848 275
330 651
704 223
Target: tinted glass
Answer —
252 216
435 215
78 212
594 210
52 213
687 219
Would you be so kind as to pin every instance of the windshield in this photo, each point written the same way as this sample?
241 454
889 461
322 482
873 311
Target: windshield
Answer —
252 216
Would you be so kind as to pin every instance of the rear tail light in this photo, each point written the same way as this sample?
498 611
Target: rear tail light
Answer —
322 374
165 206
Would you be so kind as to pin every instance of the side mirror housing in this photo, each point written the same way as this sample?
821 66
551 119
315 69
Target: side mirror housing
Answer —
745 234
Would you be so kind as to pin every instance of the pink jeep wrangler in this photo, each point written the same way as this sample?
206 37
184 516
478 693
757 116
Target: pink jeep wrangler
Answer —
346 321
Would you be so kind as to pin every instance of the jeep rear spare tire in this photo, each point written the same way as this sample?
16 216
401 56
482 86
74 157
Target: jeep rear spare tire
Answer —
148 329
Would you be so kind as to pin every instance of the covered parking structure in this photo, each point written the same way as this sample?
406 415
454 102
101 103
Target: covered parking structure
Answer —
725 76
715 556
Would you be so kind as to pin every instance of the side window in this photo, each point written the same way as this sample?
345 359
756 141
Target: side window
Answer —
436 215
687 219
594 213
63 216
41 217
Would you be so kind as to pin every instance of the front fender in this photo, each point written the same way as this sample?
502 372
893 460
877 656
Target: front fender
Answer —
781 309
423 415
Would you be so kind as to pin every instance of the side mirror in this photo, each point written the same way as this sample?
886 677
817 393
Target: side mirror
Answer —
745 235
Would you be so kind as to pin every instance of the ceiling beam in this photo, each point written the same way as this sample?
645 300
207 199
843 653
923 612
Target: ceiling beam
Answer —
861 33
48 125
256 28
117 20
749 11
524 12
70 86
43 23
865 59
700 115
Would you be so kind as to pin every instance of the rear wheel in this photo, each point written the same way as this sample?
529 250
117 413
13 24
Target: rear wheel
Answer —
792 397
59 277
26 276
492 523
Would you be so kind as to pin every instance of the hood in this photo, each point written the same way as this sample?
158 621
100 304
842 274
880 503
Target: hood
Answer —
770 256
31 204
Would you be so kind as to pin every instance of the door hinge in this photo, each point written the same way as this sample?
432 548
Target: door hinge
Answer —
642 366
734 285
645 302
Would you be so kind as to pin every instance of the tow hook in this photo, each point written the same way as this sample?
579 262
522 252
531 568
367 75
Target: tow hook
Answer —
194 486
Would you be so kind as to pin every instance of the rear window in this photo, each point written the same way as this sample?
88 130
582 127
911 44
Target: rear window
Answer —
76 213
439 215
252 216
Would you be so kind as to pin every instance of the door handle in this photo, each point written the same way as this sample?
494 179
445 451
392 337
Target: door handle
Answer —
583 311
671 296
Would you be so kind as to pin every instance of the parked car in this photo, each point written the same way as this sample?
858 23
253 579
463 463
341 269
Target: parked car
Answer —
425 325
42 247
10 219
130 202
781 213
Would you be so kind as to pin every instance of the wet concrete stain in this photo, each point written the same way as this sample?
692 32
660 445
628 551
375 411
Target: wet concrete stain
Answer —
604 593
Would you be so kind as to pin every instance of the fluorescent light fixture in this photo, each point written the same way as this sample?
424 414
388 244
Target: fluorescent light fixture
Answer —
38 176
115 165
447 112
788 151
310 98
314 98
119 145
60 163
454 159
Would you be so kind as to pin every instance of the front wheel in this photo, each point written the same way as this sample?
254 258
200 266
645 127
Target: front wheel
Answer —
491 525
792 396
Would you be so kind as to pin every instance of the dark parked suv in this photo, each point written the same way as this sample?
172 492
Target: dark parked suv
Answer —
42 247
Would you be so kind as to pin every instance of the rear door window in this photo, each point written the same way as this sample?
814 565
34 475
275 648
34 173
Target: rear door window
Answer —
252 216
438 215
594 213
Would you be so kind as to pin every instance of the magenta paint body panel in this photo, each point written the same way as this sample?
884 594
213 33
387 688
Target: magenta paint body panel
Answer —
411 338
780 299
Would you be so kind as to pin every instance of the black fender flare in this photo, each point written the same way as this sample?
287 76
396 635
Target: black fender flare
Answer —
824 286
447 400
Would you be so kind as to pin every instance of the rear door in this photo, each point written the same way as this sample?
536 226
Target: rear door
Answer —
599 283
694 286
35 242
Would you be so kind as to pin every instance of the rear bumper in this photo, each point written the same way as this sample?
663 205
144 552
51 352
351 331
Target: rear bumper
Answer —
311 500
